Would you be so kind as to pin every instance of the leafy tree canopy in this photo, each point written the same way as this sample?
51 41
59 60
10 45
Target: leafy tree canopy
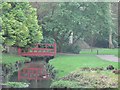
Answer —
86 20
19 24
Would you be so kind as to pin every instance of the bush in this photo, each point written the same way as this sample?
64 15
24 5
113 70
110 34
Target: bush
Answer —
64 84
72 49
52 71
92 79
16 84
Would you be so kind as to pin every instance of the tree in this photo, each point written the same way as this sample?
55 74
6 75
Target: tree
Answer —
114 14
61 22
90 21
19 24
99 23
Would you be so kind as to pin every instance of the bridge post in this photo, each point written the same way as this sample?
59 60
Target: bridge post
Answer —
19 51
19 75
36 74
55 49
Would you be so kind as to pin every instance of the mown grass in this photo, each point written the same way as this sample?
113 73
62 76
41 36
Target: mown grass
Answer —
103 51
68 63
10 58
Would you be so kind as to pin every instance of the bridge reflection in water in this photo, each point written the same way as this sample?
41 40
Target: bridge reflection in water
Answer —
36 73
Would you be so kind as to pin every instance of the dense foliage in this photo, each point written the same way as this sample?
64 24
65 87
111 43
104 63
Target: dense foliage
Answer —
19 24
89 21
87 79
71 49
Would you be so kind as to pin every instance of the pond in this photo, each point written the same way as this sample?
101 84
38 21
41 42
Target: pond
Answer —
42 83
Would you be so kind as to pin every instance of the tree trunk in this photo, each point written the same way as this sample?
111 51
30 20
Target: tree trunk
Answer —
110 32
110 40
11 50
59 47
91 46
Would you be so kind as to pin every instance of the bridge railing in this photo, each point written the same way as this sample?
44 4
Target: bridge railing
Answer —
39 50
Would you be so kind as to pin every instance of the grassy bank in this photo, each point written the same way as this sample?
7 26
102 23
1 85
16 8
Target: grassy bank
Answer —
103 51
68 63
10 58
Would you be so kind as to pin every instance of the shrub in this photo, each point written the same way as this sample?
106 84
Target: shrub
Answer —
92 79
85 79
64 84
16 84
72 49
51 71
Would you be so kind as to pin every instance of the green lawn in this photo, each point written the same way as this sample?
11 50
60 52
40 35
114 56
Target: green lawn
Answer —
67 63
104 51
7 58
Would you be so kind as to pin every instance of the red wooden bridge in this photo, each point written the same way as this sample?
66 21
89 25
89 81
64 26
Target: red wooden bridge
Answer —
39 50
36 71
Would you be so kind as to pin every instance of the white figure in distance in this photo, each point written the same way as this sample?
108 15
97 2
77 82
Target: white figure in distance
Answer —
71 38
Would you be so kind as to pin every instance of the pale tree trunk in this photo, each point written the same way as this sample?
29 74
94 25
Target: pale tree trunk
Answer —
92 39
91 46
110 32
110 40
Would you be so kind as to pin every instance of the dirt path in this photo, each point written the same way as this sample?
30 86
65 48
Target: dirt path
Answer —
109 58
